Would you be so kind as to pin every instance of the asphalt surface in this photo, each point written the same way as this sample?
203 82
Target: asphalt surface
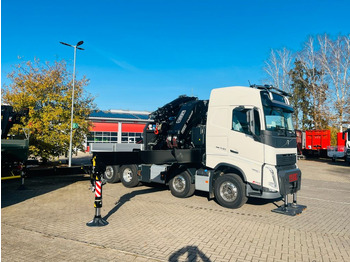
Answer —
47 222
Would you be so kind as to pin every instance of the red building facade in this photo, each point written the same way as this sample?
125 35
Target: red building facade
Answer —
117 126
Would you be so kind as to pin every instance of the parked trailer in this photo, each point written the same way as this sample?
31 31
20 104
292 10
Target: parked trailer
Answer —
239 144
316 142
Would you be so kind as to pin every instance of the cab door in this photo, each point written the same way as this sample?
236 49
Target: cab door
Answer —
244 144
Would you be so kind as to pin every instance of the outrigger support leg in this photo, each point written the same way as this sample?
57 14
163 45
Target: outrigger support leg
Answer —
97 221
290 209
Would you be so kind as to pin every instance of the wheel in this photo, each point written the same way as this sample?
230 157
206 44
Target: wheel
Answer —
128 175
111 174
181 186
230 191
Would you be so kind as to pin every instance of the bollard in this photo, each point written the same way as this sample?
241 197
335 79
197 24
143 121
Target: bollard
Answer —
23 171
97 221
23 174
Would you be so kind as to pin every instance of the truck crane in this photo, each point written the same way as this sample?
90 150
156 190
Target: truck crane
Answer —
14 149
238 144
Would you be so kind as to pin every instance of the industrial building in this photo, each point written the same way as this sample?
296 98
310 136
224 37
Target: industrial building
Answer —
117 126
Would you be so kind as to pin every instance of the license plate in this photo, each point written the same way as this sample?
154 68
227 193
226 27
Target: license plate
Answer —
293 177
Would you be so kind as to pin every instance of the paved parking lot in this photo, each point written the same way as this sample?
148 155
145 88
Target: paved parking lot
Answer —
47 222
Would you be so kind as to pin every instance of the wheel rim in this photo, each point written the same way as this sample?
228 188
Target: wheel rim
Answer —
228 191
127 175
179 184
109 172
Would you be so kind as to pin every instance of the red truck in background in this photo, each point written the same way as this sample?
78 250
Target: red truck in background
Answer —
313 142
318 143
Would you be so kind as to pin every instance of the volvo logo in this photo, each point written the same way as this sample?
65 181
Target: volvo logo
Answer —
287 142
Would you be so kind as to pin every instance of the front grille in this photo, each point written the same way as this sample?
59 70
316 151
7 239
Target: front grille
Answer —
287 159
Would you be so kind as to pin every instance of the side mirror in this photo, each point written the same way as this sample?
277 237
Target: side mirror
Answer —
253 124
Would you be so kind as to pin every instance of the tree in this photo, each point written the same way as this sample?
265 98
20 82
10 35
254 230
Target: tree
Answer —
308 99
315 84
335 61
46 90
300 97
278 66
324 67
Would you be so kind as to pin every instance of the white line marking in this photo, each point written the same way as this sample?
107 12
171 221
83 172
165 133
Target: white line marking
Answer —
325 200
323 188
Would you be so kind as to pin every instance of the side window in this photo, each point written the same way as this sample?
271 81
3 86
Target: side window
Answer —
240 120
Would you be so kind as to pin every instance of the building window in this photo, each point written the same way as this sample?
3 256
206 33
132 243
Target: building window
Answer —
102 137
112 137
131 138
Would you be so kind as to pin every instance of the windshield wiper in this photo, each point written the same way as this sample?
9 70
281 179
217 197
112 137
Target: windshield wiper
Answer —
281 130
291 133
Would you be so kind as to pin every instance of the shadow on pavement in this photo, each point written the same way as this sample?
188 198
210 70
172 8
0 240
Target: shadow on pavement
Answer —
34 186
260 202
193 254
127 197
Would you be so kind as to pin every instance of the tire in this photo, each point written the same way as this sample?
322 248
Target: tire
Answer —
230 191
111 174
181 186
128 175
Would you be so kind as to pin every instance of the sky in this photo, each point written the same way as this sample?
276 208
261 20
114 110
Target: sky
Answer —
141 54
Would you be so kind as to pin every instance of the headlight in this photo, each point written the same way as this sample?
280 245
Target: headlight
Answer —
270 177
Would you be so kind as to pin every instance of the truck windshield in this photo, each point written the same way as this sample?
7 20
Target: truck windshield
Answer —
278 119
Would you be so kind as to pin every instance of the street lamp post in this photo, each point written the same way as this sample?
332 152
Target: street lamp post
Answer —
71 118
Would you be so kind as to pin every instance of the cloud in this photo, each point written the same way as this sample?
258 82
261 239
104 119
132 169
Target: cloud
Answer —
123 64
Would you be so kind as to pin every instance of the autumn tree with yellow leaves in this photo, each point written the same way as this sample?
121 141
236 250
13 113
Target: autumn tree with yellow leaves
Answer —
46 90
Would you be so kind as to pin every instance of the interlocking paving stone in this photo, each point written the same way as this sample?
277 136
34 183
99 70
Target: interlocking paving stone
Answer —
48 222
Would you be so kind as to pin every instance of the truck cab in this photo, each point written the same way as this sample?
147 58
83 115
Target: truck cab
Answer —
250 134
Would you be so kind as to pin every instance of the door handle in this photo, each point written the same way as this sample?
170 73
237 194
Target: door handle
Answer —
233 151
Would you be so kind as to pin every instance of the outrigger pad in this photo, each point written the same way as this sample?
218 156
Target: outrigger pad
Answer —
98 221
290 209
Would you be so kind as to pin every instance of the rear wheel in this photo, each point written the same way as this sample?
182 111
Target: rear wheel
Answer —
181 186
230 191
111 174
128 175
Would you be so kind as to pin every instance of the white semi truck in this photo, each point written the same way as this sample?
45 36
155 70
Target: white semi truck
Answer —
238 144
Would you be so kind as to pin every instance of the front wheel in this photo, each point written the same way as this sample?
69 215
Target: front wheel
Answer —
230 191
181 186
128 175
